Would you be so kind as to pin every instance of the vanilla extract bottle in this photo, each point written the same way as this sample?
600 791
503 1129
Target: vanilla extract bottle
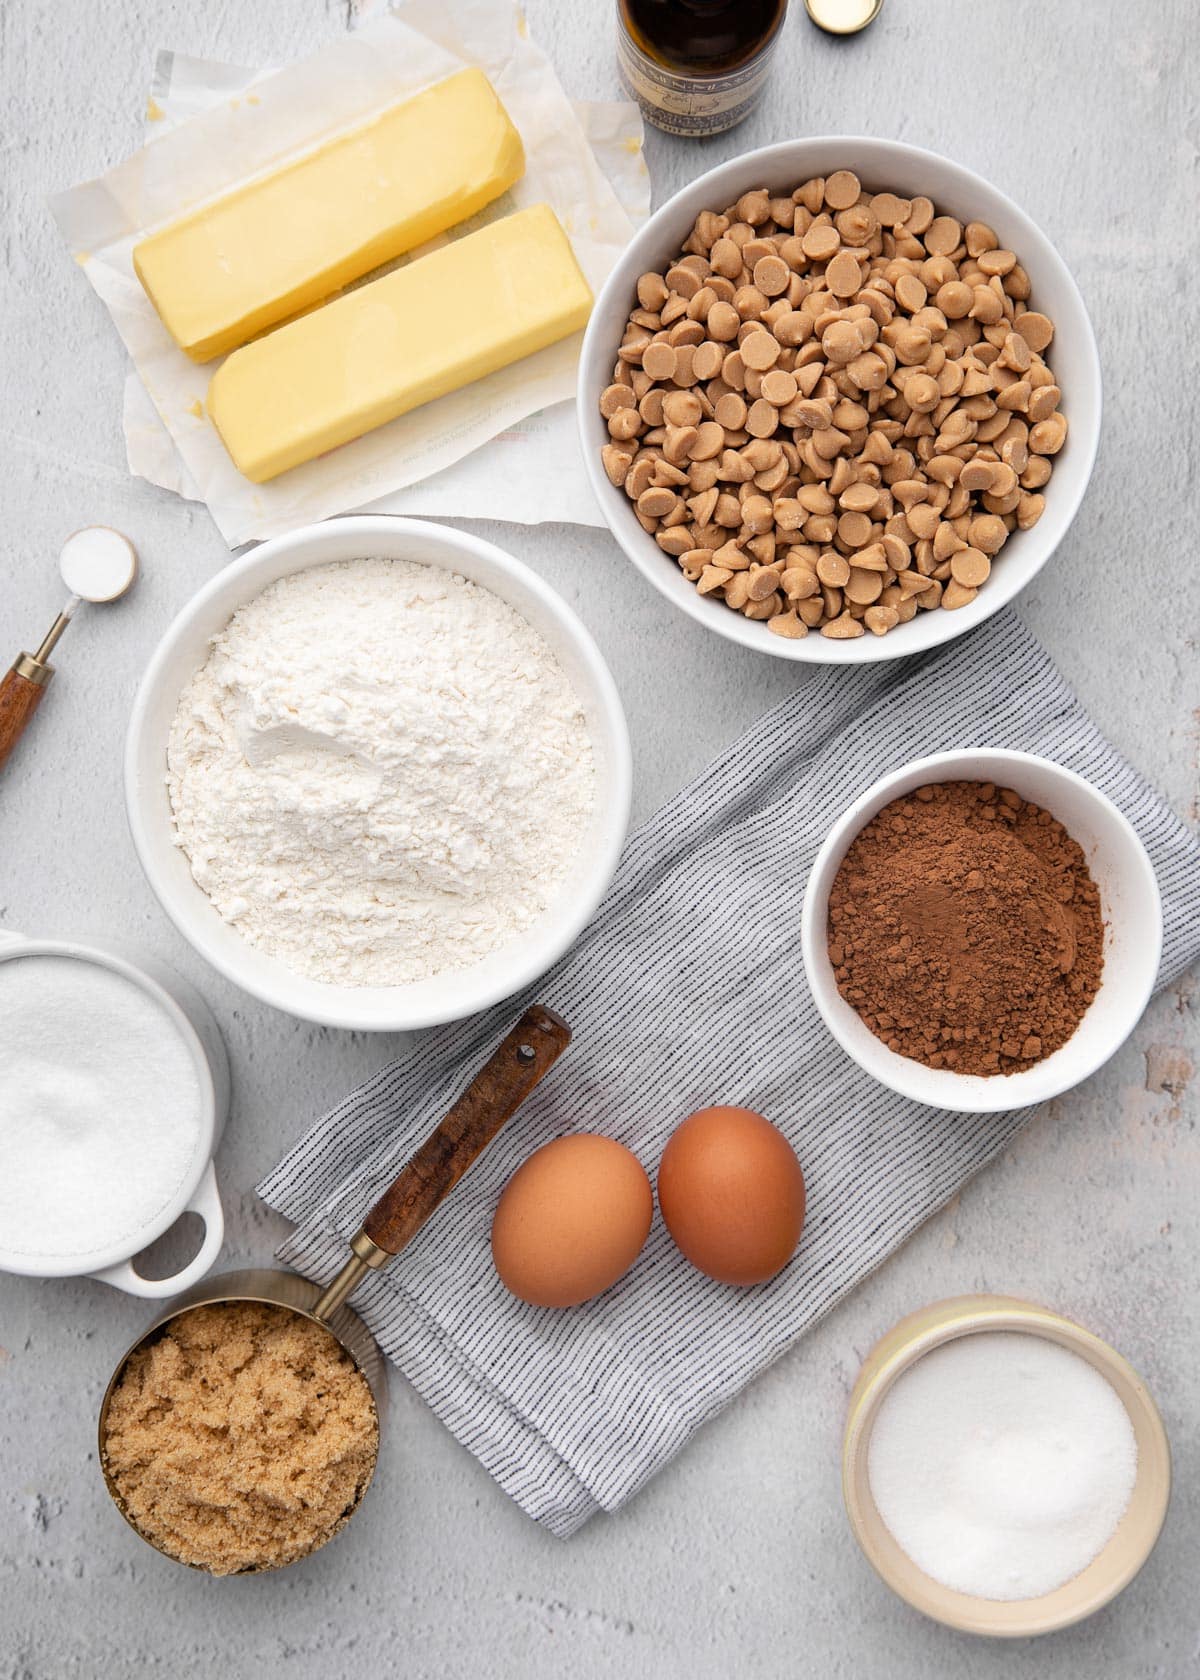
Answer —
697 66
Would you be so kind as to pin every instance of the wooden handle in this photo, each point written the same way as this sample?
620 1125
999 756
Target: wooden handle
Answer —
492 1097
19 699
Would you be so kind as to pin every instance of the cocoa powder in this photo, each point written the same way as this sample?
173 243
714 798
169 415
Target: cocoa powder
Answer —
965 929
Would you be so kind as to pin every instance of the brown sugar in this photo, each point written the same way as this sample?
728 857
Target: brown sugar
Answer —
241 1437
965 929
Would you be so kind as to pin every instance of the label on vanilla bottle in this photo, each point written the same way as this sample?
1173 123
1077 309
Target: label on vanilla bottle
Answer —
691 104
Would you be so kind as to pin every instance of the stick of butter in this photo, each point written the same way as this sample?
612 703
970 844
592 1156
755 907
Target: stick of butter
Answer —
293 237
430 327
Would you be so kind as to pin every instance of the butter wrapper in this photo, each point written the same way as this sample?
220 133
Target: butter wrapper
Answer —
240 124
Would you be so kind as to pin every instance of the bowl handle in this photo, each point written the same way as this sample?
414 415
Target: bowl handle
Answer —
205 1201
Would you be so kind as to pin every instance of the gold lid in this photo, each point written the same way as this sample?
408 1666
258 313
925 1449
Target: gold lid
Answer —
843 17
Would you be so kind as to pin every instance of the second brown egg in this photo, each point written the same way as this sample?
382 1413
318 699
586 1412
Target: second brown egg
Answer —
731 1193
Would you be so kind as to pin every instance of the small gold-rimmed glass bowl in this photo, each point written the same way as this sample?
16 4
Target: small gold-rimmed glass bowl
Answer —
1126 1550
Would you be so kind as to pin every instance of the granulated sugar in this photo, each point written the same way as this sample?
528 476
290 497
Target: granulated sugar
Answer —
99 1108
1002 1464
380 773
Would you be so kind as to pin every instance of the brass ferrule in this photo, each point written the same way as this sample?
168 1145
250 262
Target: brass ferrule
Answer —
369 1251
34 670
366 1257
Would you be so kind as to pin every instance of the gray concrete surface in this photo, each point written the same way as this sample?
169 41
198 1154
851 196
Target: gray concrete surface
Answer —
737 1560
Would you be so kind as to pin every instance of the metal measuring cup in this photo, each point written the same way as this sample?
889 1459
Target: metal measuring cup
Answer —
492 1097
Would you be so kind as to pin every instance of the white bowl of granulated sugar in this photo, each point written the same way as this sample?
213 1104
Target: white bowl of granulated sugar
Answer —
378 774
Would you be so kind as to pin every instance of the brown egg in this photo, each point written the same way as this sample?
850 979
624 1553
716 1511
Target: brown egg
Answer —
571 1220
732 1194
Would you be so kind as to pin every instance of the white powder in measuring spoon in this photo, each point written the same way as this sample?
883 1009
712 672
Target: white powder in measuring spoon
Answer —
1002 1464
99 1108
380 773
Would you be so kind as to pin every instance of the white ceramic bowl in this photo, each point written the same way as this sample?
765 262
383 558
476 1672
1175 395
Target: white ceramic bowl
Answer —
183 649
1131 1542
881 165
1132 932
190 1017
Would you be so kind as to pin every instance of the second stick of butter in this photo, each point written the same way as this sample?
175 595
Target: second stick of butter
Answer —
439 323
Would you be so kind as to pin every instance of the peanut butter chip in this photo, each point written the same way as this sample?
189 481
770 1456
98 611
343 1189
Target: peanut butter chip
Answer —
979 238
760 351
682 408
723 322
996 262
685 282
779 387
841 342
625 424
1037 330
730 411
655 503
988 532
833 569
841 189
919 217
976 475
659 361
843 276
910 293
842 629
820 242
891 210
1048 436
614 398
879 620
863 587
763 418
854 529
707 359
942 236
956 595
616 464
771 276
710 441
954 299
970 567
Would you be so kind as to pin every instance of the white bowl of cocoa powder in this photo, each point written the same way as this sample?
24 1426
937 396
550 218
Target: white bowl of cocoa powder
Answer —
981 930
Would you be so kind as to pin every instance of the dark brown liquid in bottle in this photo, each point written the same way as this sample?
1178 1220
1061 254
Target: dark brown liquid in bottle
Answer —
697 66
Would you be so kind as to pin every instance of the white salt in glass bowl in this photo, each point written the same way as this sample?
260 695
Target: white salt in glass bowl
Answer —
182 651
189 1017
1129 901
1118 1561
881 165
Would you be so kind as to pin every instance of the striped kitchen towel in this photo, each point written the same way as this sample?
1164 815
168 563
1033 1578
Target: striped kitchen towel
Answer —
687 988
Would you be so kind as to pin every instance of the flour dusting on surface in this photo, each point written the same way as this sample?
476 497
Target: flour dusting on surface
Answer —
380 773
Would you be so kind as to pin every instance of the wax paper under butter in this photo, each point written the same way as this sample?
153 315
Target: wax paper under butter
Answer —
287 112
530 472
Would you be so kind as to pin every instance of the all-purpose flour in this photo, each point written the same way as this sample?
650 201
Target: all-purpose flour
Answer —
380 773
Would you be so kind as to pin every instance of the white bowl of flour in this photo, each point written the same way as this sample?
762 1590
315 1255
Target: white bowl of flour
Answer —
378 774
